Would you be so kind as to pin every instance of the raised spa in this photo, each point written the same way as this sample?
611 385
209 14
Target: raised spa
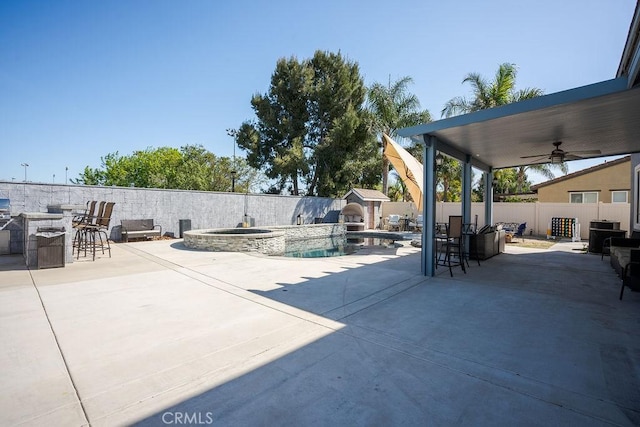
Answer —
269 242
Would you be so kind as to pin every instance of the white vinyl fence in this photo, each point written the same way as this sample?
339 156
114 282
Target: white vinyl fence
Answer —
538 215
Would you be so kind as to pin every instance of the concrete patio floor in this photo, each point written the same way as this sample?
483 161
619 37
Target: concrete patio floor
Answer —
159 335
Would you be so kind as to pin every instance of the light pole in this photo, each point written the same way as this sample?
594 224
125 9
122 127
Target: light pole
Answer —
54 178
233 133
25 165
66 170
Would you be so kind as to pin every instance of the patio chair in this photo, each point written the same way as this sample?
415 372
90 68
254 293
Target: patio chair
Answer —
469 232
631 272
606 244
419 221
520 231
80 224
453 245
97 228
394 223
82 218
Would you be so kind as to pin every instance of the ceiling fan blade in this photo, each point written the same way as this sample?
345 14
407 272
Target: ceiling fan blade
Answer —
571 156
538 159
586 152
535 155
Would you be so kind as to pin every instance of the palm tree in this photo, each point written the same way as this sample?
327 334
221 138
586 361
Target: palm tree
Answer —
448 179
500 91
505 180
398 191
545 170
392 108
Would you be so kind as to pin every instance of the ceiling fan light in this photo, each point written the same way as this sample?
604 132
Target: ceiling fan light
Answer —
557 158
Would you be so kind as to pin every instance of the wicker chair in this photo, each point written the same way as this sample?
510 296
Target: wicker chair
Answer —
92 232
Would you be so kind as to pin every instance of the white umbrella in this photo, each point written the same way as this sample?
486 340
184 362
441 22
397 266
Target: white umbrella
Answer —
408 168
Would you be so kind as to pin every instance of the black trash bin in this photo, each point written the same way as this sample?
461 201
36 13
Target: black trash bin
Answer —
183 225
51 247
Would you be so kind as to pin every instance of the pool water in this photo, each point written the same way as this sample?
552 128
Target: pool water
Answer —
322 248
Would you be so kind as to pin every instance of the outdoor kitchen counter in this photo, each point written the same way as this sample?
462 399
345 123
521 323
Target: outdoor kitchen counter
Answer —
58 216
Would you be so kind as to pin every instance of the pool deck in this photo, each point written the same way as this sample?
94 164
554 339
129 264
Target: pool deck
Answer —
159 334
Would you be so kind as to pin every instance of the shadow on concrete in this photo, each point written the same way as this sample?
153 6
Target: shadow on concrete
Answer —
12 262
532 338
181 247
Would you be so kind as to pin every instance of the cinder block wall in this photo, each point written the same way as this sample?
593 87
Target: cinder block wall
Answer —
167 207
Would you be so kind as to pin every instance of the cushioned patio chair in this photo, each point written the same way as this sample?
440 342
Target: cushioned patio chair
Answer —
631 272
520 231
394 223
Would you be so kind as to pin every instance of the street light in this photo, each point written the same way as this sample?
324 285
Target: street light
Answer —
233 181
234 134
66 170
25 165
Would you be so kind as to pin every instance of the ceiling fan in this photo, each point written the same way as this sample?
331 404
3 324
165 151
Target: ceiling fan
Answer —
558 155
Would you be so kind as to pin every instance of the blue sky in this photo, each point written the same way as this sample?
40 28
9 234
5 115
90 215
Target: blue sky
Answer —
80 79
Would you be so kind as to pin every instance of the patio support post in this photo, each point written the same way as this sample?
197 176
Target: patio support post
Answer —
466 194
466 190
428 206
488 197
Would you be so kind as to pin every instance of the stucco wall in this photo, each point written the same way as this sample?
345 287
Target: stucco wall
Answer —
167 207
603 181
634 196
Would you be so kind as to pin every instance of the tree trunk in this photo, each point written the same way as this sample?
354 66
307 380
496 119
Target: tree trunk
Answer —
385 170
294 179
311 191
520 180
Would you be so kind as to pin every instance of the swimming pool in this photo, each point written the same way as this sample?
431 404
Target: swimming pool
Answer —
331 247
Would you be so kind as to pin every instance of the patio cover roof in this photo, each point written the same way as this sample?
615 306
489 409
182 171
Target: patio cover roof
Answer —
601 116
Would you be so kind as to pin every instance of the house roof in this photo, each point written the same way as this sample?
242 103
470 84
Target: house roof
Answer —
367 195
582 172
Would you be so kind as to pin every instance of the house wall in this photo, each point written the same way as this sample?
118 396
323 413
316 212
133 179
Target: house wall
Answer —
166 207
603 181
634 196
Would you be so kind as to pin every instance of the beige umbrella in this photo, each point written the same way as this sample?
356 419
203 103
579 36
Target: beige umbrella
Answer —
408 168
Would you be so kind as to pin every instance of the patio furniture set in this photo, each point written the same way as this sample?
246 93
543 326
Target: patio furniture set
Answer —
450 243
90 226
625 259
395 222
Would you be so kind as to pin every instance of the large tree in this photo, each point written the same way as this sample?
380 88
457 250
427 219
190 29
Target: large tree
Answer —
189 168
393 107
499 91
311 131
